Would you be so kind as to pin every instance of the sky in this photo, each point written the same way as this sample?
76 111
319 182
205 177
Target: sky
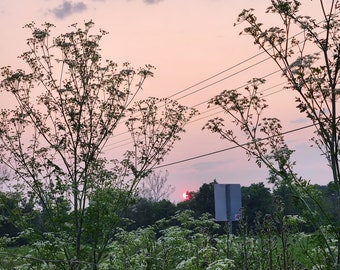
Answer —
198 53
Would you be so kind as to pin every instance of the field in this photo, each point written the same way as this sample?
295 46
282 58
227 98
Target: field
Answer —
190 244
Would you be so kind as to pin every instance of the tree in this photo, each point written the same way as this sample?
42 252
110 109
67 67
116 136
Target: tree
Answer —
288 198
9 207
310 65
69 104
154 188
256 199
146 212
201 201
204 199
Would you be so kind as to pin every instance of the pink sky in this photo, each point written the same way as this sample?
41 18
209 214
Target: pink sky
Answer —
188 41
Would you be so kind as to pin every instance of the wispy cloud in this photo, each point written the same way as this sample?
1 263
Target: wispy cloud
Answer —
209 166
151 2
301 120
68 8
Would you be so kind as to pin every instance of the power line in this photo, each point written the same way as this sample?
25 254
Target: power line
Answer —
227 77
128 140
216 75
214 83
233 67
230 148
204 102
222 79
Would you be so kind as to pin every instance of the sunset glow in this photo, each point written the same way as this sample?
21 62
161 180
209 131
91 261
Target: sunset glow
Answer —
197 52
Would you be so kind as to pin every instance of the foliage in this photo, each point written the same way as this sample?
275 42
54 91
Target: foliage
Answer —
193 245
182 246
256 199
183 241
69 105
143 212
201 201
310 63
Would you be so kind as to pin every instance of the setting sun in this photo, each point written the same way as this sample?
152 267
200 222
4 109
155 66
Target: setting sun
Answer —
186 195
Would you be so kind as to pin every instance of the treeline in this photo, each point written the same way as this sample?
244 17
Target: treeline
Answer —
257 201
17 214
151 227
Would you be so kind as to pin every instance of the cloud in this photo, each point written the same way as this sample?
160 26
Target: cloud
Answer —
67 8
209 166
148 2
152 2
301 120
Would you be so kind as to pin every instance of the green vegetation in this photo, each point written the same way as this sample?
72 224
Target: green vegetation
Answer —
186 242
69 103
69 207
310 64
162 235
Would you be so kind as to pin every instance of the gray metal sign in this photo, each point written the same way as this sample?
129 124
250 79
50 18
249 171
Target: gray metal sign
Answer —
227 202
